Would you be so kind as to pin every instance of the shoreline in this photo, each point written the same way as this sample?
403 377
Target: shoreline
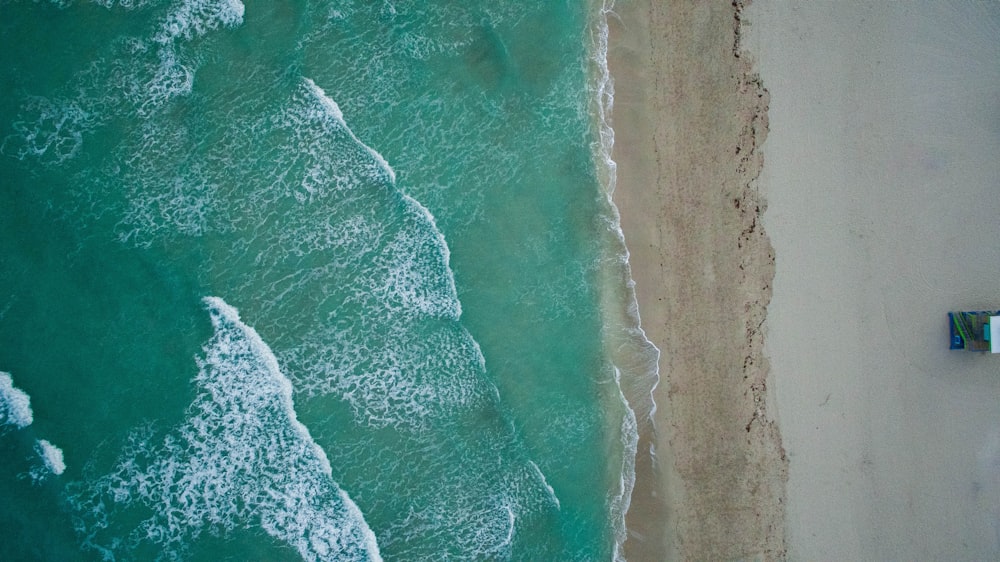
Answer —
634 358
689 115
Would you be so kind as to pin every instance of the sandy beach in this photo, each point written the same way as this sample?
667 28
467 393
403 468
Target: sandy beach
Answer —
689 118
828 421
881 171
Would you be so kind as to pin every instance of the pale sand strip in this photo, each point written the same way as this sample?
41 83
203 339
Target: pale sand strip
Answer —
688 117
883 173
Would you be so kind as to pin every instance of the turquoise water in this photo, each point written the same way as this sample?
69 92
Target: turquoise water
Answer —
311 280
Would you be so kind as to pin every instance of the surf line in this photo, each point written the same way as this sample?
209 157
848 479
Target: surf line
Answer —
334 110
323 541
241 458
631 347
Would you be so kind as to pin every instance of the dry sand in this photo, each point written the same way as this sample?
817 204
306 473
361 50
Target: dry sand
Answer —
689 116
881 174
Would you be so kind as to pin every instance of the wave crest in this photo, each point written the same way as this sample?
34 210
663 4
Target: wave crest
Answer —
241 457
15 404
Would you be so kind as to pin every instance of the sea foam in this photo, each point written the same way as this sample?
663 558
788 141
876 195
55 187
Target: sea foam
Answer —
194 18
626 484
124 4
51 455
51 130
334 110
545 482
405 276
145 71
241 459
173 72
48 461
15 404
633 349
15 410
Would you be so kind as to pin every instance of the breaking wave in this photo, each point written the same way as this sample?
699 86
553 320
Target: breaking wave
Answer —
48 462
241 457
15 404
52 456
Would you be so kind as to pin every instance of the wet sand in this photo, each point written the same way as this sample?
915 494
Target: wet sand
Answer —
689 118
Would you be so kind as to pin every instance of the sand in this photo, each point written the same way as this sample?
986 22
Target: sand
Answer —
689 115
880 171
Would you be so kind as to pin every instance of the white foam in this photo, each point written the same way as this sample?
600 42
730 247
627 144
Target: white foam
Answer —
406 280
626 483
416 276
145 71
636 394
456 305
648 405
224 314
327 102
54 135
51 455
334 110
15 404
241 458
172 74
170 78
124 4
476 524
410 383
508 540
538 471
195 18
185 205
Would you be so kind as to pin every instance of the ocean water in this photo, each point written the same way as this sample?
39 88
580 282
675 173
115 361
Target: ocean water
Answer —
312 280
